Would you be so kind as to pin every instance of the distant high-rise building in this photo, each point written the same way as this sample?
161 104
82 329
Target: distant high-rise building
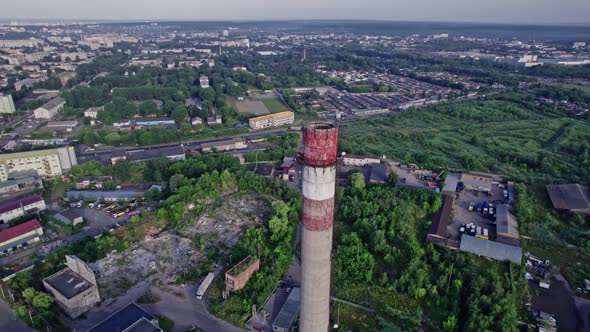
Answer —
225 33
7 105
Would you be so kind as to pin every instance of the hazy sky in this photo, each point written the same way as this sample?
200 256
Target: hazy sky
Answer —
503 11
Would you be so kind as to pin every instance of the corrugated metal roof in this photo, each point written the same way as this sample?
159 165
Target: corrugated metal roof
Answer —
569 196
289 311
491 249
104 194
53 103
505 222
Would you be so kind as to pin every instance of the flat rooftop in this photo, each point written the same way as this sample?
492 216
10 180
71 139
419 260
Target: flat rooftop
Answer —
68 283
123 319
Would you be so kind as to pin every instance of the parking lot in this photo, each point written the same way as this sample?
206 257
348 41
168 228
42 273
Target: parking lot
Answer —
462 215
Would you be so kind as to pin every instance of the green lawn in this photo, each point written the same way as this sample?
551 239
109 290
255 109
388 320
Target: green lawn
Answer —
274 105
352 318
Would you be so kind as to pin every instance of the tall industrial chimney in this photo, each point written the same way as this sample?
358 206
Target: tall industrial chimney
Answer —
320 143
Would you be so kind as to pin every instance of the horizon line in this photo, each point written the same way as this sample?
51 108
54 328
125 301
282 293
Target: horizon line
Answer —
172 20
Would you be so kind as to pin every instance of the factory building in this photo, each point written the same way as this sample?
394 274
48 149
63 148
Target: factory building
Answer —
50 109
74 288
235 144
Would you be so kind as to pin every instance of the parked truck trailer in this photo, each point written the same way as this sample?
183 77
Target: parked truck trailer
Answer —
205 285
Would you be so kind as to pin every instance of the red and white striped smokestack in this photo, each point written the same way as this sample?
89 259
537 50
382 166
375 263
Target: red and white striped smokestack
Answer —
320 143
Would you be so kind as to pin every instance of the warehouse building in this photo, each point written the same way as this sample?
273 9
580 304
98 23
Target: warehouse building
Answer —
491 249
289 312
506 226
174 153
62 125
272 120
105 195
50 109
129 319
440 221
20 235
354 160
74 288
20 207
26 183
379 173
42 163
235 144
570 197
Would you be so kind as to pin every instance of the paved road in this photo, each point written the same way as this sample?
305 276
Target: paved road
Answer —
9 322
189 311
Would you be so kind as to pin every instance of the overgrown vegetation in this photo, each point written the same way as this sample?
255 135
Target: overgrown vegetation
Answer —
500 136
384 263
561 237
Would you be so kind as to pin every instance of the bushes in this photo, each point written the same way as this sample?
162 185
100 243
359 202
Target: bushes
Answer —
383 261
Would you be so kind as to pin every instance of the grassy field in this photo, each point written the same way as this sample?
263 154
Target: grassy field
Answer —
274 105
352 318
494 136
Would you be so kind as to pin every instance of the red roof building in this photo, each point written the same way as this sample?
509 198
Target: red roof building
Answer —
20 235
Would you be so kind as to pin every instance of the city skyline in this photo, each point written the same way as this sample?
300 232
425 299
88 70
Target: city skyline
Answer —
503 11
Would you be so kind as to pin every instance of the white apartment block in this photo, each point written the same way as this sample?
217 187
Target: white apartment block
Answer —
92 112
18 208
272 120
50 109
7 105
41 163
